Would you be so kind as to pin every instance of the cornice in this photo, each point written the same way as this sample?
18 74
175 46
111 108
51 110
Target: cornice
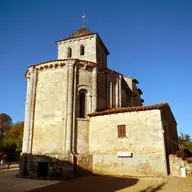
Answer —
54 64
75 39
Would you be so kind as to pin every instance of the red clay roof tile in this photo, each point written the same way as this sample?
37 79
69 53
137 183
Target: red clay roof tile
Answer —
79 33
128 109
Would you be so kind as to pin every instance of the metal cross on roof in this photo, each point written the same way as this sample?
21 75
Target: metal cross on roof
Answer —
84 18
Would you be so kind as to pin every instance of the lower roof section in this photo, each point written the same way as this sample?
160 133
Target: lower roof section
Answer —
129 109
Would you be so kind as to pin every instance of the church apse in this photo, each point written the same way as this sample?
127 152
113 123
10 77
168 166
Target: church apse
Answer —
49 111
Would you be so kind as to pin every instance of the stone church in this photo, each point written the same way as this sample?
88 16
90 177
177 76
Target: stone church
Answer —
81 117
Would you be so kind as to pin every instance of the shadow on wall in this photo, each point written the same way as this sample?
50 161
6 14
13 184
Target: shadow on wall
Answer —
69 166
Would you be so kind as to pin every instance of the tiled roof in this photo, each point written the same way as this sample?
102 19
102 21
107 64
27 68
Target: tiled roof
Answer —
79 33
129 109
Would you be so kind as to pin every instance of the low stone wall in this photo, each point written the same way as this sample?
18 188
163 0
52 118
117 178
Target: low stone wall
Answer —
176 163
61 166
58 166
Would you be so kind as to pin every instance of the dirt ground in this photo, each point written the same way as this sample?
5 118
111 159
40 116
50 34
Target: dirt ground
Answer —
10 183
10 165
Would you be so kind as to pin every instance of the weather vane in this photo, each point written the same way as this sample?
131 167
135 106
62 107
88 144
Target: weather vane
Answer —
84 18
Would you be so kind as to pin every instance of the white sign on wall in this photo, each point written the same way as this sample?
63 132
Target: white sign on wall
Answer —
124 154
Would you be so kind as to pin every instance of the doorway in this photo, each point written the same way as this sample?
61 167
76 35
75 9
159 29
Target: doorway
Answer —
42 170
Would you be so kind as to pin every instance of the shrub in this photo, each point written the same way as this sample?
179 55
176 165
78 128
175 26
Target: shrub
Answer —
184 153
178 153
187 153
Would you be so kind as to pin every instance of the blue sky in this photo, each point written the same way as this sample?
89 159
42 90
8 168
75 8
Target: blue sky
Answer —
150 40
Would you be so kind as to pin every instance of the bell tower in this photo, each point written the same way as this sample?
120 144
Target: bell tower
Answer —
83 45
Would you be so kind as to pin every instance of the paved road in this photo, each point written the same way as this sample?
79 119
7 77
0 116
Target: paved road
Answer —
10 183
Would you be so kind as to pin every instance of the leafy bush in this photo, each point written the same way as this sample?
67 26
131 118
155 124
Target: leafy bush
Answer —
14 137
179 153
187 152
184 153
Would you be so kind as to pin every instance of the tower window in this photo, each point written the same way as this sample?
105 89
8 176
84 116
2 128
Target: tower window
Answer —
69 52
82 107
82 50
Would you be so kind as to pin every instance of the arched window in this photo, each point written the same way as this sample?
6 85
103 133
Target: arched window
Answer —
69 52
82 50
82 104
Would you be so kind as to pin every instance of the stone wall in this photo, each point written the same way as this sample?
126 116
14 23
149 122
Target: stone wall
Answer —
84 83
84 165
89 43
112 92
49 111
138 165
85 77
136 98
144 139
82 136
102 91
170 131
176 163
101 54
58 166
126 95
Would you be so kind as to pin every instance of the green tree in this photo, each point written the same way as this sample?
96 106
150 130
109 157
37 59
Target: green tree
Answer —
5 123
14 138
185 141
